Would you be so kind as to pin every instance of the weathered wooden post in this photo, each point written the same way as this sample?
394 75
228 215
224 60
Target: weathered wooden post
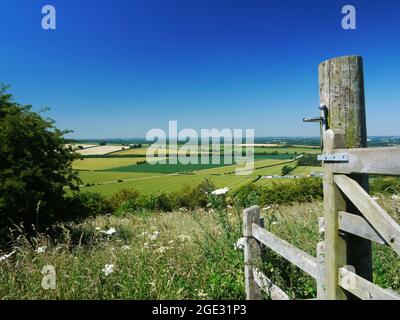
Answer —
321 271
341 83
252 252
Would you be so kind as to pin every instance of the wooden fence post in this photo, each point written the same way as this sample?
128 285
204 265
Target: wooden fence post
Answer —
321 271
252 252
342 92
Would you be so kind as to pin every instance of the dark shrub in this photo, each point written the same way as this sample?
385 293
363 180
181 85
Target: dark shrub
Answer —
35 167
156 202
123 196
192 197
247 196
83 205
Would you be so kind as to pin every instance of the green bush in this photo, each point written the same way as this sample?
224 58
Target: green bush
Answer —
390 185
192 197
301 190
156 202
81 205
35 167
123 196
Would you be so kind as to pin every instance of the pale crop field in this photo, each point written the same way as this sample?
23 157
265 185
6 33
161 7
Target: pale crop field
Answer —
232 168
100 150
84 145
104 163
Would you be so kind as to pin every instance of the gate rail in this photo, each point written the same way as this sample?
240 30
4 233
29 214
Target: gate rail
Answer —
375 224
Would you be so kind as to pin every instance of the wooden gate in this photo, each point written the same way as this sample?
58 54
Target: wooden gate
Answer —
352 218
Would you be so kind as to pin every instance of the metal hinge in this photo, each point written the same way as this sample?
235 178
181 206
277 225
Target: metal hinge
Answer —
337 157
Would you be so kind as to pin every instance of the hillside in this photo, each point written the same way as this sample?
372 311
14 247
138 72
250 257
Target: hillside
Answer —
180 255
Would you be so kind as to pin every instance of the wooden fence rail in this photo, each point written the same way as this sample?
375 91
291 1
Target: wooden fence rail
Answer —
352 218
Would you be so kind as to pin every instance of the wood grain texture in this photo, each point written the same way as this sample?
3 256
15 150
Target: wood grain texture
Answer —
266 285
335 246
342 92
381 161
362 288
252 252
387 228
358 226
321 271
296 256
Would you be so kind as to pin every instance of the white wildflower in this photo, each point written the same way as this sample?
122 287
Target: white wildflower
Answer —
274 223
220 191
183 238
6 256
202 295
97 229
144 234
154 235
108 269
161 249
395 197
126 247
171 242
110 231
41 249
239 245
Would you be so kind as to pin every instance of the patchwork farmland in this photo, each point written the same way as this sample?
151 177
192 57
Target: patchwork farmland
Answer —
128 169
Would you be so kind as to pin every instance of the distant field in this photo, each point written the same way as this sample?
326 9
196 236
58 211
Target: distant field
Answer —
84 146
102 174
291 150
168 183
104 163
301 171
275 170
211 168
100 150
257 149
110 177
138 151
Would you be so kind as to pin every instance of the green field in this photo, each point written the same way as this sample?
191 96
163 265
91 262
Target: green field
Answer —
303 171
284 150
95 164
108 175
167 183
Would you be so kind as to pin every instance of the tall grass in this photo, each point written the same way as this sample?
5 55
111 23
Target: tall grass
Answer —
180 255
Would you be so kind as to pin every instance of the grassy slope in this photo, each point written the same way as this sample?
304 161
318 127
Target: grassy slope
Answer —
167 183
104 163
303 170
192 258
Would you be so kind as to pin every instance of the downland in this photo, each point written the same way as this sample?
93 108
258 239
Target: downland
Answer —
179 247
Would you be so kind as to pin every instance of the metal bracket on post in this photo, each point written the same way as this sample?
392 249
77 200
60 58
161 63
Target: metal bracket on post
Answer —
323 120
337 157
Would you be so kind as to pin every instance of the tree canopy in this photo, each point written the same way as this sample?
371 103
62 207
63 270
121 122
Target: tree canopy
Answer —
35 166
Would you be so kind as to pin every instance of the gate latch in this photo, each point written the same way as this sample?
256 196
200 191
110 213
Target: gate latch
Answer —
337 157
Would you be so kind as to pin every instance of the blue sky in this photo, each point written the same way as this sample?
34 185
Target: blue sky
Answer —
119 68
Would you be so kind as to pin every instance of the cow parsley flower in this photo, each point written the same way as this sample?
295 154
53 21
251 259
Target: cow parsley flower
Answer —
154 235
6 256
220 191
41 249
110 231
108 269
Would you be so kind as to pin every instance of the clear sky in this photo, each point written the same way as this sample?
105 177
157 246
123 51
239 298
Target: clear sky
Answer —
117 68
